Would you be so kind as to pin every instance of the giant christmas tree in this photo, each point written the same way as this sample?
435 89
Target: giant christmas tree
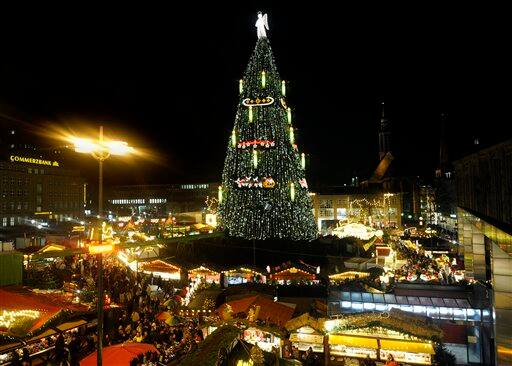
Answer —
264 193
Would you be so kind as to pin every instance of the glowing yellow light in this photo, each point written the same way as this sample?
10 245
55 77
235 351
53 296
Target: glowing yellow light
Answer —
283 87
233 138
118 147
303 160
292 135
241 86
250 113
292 191
289 115
85 145
263 79
220 194
103 248
255 158
8 317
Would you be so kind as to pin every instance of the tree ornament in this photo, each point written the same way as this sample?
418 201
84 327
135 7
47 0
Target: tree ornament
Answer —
248 102
283 88
263 79
255 158
268 182
220 194
292 191
292 135
289 115
303 160
303 183
250 114
241 86
233 138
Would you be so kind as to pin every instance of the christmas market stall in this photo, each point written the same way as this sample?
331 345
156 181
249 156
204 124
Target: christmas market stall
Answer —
294 274
161 269
408 337
244 274
204 273
305 332
348 275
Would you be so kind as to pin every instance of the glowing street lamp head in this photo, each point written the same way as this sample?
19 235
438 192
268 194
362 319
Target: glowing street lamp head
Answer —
85 145
118 147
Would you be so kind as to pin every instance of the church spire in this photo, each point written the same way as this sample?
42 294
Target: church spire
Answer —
384 134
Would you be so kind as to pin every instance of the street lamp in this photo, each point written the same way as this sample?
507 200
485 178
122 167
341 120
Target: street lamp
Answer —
100 150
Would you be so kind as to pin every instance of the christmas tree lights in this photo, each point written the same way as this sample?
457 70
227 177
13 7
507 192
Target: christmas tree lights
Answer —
264 192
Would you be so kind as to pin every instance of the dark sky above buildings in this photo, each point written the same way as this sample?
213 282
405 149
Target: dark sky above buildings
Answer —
166 79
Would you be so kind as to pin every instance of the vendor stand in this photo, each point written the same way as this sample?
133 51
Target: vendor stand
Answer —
348 275
305 332
161 269
267 341
202 272
240 275
294 275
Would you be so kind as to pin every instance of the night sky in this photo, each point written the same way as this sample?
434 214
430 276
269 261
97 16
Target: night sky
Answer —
167 80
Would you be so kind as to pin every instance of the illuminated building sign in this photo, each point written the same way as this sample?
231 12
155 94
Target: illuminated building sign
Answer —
24 159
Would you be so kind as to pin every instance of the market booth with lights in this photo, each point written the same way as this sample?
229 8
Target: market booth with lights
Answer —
408 337
204 273
160 268
245 274
305 332
294 274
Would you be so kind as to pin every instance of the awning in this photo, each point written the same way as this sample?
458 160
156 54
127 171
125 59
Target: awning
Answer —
350 341
9 346
70 325
46 333
411 347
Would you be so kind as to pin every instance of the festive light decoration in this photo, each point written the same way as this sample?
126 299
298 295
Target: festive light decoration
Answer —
256 143
283 88
220 194
303 160
257 196
10 317
263 79
303 183
241 86
233 138
250 114
292 191
248 182
292 135
248 102
289 115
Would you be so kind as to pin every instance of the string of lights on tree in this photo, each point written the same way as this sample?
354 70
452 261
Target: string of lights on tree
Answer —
264 192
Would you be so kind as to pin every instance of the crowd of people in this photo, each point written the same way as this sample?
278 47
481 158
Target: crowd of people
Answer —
422 267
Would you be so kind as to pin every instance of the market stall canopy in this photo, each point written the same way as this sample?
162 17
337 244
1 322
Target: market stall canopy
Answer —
120 354
269 310
70 325
405 346
305 320
159 265
351 341
293 274
51 248
348 275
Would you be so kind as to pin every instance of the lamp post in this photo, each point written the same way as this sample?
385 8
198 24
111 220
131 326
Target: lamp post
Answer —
100 150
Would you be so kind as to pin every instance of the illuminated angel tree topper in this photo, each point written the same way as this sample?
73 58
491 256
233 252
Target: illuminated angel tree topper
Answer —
264 191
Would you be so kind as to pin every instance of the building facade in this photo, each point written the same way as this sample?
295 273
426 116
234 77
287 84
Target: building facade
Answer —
160 200
484 196
40 190
374 209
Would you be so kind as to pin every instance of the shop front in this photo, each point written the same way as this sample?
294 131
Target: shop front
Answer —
352 346
419 353
265 340
306 337
204 273
242 275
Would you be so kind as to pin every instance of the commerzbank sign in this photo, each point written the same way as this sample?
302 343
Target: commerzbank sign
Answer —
24 159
